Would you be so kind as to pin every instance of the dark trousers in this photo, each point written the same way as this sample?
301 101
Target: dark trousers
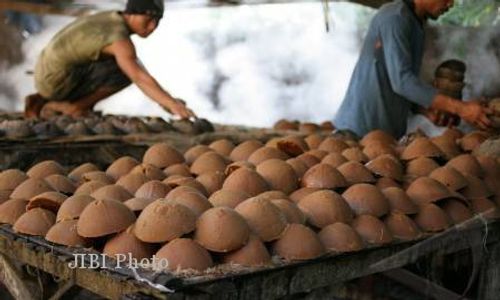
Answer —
88 78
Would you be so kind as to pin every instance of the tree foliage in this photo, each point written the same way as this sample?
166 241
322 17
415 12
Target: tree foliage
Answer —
473 13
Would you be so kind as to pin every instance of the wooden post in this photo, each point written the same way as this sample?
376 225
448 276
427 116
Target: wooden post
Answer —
489 284
12 279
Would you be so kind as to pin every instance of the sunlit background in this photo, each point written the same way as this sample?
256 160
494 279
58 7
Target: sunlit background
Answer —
252 65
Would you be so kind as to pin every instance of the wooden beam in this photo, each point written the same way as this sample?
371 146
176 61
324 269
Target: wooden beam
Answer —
44 8
422 285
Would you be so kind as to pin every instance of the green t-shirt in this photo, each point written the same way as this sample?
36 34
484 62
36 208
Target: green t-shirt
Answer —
80 42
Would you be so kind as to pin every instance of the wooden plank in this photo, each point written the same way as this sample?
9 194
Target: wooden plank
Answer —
489 284
10 276
303 277
111 283
421 285
458 237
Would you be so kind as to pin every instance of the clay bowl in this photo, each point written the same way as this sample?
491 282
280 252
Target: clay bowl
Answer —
45 168
372 230
77 172
354 172
265 153
313 140
186 181
228 198
450 177
132 182
209 162
151 172
65 233
195 201
244 150
253 254
11 210
153 190
421 147
340 237
122 166
30 188
298 242
178 169
366 199
185 254
163 221
291 211
89 187
49 200
377 136
72 207
221 229
334 159
402 227
386 166
325 207
36 221
301 193
212 181
61 184
399 201
264 218
112 192
431 218
194 152
279 175
125 243
11 178
162 155
323 176
103 217
467 164
223 146
246 180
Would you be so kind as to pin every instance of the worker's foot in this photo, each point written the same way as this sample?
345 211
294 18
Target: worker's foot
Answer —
33 105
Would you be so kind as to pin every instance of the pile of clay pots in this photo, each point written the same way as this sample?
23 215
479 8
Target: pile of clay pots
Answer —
96 124
256 204
304 127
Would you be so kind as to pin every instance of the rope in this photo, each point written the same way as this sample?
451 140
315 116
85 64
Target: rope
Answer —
151 284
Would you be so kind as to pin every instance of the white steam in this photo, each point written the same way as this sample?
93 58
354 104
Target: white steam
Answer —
249 65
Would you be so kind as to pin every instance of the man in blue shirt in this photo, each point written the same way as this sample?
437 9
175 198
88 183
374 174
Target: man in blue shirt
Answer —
385 83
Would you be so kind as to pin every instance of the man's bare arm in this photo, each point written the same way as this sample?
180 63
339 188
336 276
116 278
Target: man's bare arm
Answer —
126 58
473 112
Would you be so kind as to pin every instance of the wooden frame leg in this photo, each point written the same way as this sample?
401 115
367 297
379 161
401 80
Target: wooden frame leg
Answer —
489 284
12 279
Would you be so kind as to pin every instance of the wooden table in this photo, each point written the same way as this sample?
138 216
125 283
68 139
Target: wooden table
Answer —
274 282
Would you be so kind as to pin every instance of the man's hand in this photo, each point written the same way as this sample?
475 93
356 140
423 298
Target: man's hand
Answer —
178 107
440 118
475 113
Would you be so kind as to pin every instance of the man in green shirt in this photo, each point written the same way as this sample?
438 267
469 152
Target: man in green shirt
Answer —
94 58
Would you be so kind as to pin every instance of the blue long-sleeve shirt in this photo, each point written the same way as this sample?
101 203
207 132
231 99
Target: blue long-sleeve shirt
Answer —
385 81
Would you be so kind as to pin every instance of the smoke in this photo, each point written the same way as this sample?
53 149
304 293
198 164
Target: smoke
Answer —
249 65
479 48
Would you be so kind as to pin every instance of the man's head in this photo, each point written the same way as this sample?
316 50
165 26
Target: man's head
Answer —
433 9
143 16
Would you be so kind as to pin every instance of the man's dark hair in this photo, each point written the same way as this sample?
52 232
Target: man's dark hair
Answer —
452 64
152 8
